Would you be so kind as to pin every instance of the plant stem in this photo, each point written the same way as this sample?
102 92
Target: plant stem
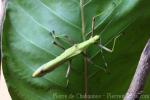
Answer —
85 78
82 18
143 69
85 59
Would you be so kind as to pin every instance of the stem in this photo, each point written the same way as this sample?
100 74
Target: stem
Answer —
143 69
85 58
85 78
82 18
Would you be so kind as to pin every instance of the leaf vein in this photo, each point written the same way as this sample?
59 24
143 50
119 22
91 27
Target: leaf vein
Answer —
30 41
63 19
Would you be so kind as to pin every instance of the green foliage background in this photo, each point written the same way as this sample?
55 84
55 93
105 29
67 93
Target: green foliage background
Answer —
27 44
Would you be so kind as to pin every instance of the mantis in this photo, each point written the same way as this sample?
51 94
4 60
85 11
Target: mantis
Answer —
71 52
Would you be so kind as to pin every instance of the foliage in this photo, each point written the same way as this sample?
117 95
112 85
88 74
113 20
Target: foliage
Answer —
27 44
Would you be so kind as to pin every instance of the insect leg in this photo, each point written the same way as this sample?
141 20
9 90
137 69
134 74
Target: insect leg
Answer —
69 69
93 27
55 42
68 72
92 63
107 49
104 59
112 49
66 39
93 24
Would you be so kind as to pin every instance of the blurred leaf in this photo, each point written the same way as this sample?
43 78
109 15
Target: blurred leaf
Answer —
27 45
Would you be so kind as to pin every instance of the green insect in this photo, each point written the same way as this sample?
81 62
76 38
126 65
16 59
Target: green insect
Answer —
71 52
76 49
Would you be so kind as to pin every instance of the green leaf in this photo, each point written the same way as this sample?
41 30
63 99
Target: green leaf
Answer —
27 45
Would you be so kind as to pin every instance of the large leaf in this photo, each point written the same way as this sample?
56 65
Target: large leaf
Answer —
27 45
